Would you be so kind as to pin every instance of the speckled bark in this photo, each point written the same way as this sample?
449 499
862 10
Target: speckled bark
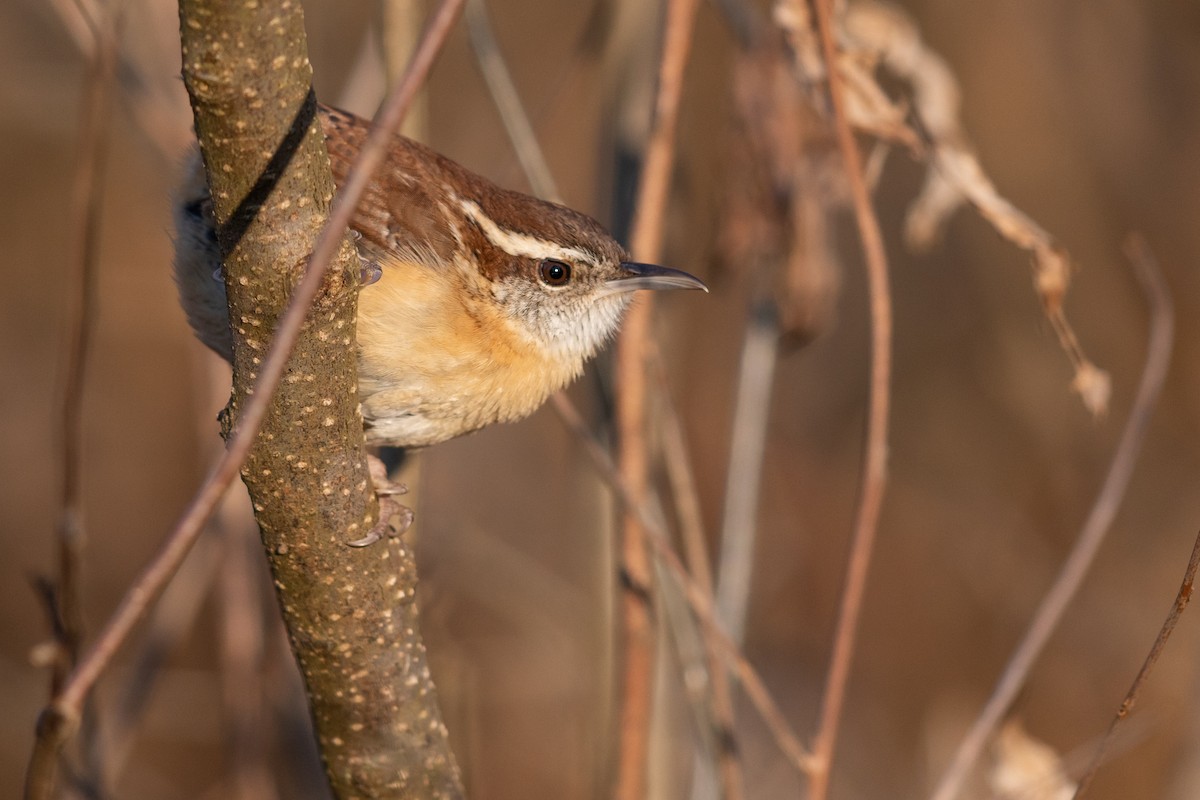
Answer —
350 611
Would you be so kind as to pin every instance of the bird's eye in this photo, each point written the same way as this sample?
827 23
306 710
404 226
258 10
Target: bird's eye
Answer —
555 273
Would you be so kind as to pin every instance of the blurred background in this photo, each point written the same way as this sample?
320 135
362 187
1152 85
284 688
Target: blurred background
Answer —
1084 114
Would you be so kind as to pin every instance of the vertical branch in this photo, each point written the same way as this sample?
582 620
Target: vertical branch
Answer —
243 646
84 226
715 690
84 229
508 102
874 478
399 34
633 717
698 598
739 528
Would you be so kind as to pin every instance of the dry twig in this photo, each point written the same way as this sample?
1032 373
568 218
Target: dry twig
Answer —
739 524
86 195
717 708
1186 588
242 650
508 101
698 598
874 478
537 172
1066 585
633 716
156 113
97 28
171 619
531 156
1155 288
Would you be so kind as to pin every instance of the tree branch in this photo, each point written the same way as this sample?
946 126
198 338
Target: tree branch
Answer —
350 613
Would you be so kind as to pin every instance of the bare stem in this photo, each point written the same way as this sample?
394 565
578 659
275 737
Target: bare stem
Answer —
739 525
508 101
874 478
242 650
1156 290
633 715
86 195
1181 601
1066 585
716 689
699 600
537 172
97 27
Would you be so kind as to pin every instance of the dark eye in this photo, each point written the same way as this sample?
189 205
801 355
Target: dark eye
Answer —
555 273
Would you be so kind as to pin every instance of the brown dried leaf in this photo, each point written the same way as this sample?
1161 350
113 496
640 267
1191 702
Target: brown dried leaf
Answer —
874 35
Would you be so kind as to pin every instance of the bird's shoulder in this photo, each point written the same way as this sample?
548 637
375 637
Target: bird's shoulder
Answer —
404 207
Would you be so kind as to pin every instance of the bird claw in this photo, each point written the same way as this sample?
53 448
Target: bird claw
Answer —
389 508
369 271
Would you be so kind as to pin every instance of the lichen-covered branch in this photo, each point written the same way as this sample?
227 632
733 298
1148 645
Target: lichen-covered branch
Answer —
350 612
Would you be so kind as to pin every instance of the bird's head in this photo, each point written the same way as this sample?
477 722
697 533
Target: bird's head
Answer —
556 273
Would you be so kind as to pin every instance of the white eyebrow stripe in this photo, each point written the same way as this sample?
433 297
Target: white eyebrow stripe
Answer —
519 244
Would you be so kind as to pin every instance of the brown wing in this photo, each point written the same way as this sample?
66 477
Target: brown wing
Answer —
400 212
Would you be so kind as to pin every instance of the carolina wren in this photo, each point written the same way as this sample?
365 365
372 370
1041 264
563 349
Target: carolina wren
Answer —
480 303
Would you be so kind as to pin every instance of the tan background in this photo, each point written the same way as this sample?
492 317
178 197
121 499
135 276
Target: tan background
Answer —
1084 112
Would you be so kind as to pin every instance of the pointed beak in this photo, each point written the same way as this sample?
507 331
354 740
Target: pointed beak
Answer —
651 276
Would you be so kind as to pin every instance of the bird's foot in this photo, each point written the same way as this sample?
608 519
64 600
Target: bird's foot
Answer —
369 270
394 517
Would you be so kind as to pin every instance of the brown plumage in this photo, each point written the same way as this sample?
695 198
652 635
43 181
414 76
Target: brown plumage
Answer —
486 300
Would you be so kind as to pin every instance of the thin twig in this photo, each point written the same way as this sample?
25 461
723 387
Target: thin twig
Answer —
874 478
1168 627
86 195
739 525
537 172
633 715
746 22
171 620
695 546
1156 290
1066 585
154 111
508 101
698 599
242 650
399 33
683 481
85 211
58 720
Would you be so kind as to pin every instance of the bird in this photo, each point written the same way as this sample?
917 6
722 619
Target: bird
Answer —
478 302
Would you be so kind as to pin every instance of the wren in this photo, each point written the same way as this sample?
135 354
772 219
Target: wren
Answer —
480 301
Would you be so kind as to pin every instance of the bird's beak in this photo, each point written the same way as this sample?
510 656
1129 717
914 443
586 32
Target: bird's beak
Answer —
651 276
